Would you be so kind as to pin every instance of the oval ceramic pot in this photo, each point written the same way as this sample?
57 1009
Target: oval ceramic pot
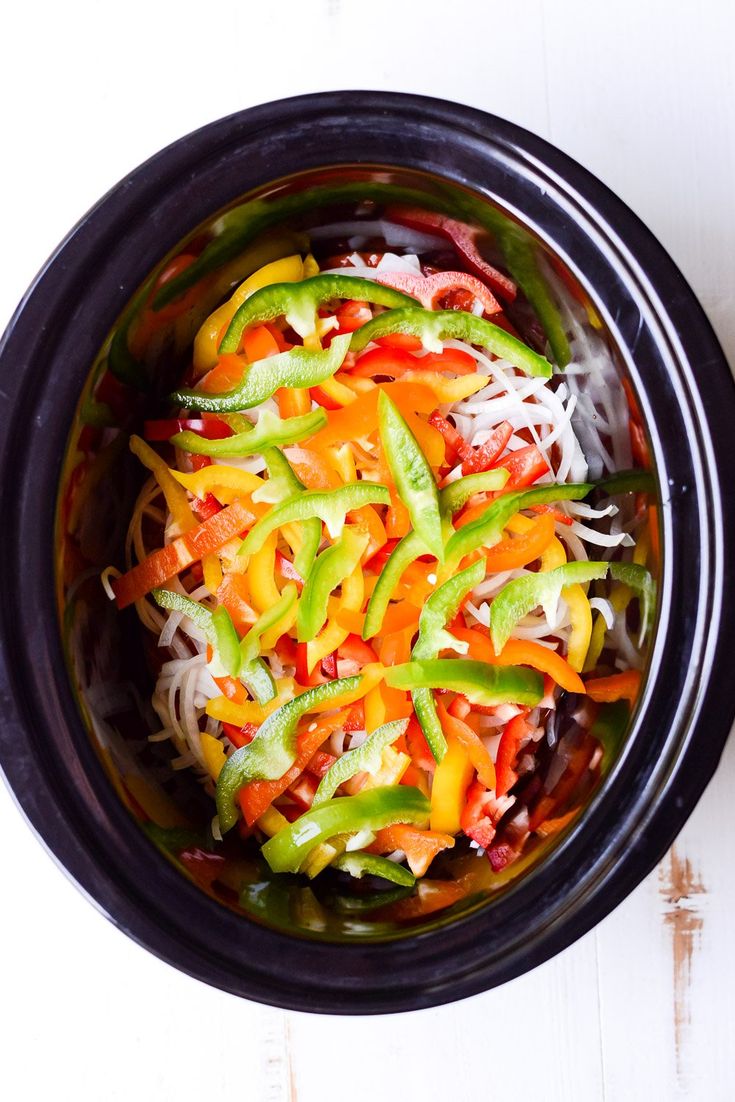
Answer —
686 395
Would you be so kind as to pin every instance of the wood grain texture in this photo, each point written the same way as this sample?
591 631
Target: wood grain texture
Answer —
642 94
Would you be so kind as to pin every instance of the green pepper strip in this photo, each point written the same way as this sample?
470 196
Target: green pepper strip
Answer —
433 326
520 256
412 475
487 530
451 499
480 682
269 431
641 582
250 644
298 303
273 751
331 506
442 606
222 637
298 367
330 570
609 728
360 864
519 597
363 759
626 482
282 485
370 810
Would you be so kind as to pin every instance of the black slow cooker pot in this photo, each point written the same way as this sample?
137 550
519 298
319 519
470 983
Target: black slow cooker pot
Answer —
683 388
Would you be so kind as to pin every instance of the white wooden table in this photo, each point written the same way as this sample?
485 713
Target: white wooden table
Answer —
641 92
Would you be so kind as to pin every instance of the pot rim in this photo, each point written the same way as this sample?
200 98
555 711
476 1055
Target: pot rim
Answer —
647 797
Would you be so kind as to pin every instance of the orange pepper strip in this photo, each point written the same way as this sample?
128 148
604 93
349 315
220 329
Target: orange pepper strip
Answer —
419 846
431 896
168 561
233 593
398 705
293 402
255 798
400 614
510 554
397 520
396 647
619 686
312 469
259 343
523 652
471 743
350 621
360 418
368 518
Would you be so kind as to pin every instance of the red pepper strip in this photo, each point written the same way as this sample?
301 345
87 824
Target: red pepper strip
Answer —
199 461
402 341
356 719
351 315
418 747
255 798
381 556
470 742
456 443
287 570
304 790
357 650
206 507
326 672
395 362
484 457
474 822
240 736
513 734
559 517
429 290
321 762
285 648
463 237
180 553
523 466
211 428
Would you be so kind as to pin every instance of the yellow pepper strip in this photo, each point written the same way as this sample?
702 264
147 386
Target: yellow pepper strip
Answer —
374 709
356 385
333 636
217 476
337 391
213 753
352 622
212 569
206 342
226 711
447 390
262 576
580 616
451 781
372 675
271 821
269 638
430 439
176 499
343 461
393 764
311 268
619 599
642 547
553 556
292 535
323 855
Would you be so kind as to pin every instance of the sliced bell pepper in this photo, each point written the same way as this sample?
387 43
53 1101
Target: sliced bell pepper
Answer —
273 752
451 780
419 846
618 686
211 427
363 759
513 734
218 476
165 563
395 362
269 432
176 500
250 645
370 810
360 864
641 581
298 303
441 606
412 475
330 569
331 506
522 652
520 596
510 554
488 454
524 467
360 418
458 446
299 367
434 326
471 743
479 682
474 822
283 484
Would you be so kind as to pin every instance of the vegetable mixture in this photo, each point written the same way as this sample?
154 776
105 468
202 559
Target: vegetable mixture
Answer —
401 596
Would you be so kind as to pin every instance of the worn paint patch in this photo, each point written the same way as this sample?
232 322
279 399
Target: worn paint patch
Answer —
680 886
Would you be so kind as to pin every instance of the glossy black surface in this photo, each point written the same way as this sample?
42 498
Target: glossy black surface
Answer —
687 399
